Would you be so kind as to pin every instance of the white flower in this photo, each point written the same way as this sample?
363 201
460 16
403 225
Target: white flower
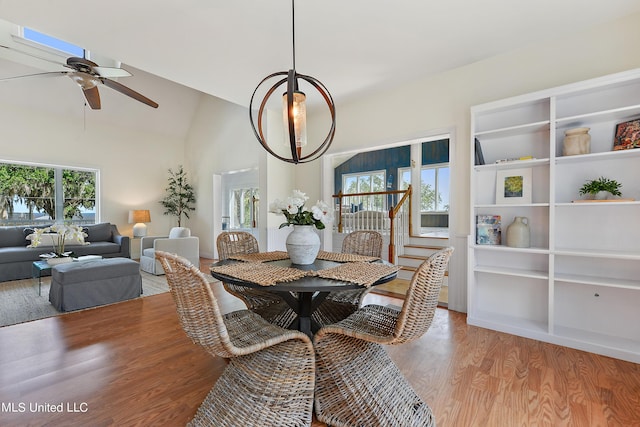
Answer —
296 213
297 194
277 206
63 231
322 212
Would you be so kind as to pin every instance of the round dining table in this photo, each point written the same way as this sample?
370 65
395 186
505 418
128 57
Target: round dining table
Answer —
304 294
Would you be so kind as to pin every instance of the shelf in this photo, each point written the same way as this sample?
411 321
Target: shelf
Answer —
509 324
532 274
614 346
517 130
600 203
593 157
627 255
516 164
505 248
598 281
559 291
514 205
622 113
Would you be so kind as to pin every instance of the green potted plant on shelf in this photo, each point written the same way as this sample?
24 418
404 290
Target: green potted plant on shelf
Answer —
599 189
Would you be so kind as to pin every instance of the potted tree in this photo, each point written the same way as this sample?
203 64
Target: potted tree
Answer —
180 196
599 189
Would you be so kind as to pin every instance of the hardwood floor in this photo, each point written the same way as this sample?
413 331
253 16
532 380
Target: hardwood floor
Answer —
131 364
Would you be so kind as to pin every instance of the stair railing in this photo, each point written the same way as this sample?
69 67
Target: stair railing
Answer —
396 222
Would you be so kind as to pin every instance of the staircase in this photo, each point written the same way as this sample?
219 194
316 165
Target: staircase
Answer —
416 252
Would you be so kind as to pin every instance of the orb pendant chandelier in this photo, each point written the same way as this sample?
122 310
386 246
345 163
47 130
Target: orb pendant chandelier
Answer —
294 112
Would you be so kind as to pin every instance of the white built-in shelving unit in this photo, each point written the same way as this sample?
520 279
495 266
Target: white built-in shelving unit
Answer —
578 284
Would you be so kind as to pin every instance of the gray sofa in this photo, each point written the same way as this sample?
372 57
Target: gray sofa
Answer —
16 259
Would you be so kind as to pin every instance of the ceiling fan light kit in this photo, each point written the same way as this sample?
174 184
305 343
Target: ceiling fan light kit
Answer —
294 111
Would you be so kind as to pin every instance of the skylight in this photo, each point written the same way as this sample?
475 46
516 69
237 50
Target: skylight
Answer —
52 42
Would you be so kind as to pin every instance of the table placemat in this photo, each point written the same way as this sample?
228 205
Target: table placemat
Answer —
361 273
260 273
340 257
261 256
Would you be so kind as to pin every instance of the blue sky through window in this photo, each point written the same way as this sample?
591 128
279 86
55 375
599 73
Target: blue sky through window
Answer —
46 40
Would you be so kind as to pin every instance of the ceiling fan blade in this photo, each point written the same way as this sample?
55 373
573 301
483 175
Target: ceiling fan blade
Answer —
93 97
111 72
33 56
129 92
47 74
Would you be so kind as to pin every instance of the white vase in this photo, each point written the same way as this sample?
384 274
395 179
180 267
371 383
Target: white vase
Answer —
518 234
576 141
303 244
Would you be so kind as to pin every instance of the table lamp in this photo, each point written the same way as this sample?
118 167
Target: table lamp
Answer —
139 217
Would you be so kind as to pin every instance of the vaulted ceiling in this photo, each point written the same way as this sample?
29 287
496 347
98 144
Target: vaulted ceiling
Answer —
224 48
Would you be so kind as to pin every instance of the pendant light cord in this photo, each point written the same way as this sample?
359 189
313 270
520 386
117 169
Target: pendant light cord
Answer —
293 32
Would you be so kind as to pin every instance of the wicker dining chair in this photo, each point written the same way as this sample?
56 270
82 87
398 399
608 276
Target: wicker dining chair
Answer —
267 304
270 376
357 383
340 304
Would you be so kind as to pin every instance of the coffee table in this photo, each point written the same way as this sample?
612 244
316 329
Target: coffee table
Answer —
39 269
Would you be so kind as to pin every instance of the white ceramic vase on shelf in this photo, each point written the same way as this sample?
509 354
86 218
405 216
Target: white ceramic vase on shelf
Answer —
576 141
303 244
518 234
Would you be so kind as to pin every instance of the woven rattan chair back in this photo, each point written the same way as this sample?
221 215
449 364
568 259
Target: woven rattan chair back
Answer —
363 242
421 299
236 242
197 307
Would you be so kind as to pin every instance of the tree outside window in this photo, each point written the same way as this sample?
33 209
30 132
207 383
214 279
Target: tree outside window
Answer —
434 187
243 208
28 193
365 182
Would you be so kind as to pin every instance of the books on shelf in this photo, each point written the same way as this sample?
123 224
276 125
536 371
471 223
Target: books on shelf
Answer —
514 159
488 230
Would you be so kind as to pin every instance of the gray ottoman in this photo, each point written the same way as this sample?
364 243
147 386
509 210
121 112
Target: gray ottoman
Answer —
78 285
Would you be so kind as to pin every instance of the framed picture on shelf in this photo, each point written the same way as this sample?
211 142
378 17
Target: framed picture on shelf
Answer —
627 135
513 186
488 230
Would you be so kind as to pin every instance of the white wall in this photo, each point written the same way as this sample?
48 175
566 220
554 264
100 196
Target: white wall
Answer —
132 163
220 140
441 102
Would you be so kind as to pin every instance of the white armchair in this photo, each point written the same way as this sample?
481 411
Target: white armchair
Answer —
179 242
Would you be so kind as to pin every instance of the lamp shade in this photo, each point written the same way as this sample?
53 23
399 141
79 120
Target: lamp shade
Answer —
139 216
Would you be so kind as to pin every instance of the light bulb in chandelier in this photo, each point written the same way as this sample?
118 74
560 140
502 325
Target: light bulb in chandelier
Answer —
298 115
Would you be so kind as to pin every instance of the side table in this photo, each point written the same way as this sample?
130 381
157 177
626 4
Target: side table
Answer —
39 269
134 247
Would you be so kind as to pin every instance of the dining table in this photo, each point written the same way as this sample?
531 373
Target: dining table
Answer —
304 287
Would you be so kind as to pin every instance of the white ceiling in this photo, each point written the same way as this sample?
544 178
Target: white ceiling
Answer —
224 48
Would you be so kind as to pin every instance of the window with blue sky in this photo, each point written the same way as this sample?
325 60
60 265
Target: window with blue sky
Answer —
52 42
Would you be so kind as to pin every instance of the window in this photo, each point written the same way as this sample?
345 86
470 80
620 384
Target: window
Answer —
434 186
365 182
31 193
52 42
243 208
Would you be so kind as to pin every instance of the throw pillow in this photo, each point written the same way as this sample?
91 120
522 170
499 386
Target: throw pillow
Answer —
98 232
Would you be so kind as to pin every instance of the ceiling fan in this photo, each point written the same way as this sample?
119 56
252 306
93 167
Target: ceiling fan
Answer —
88 75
